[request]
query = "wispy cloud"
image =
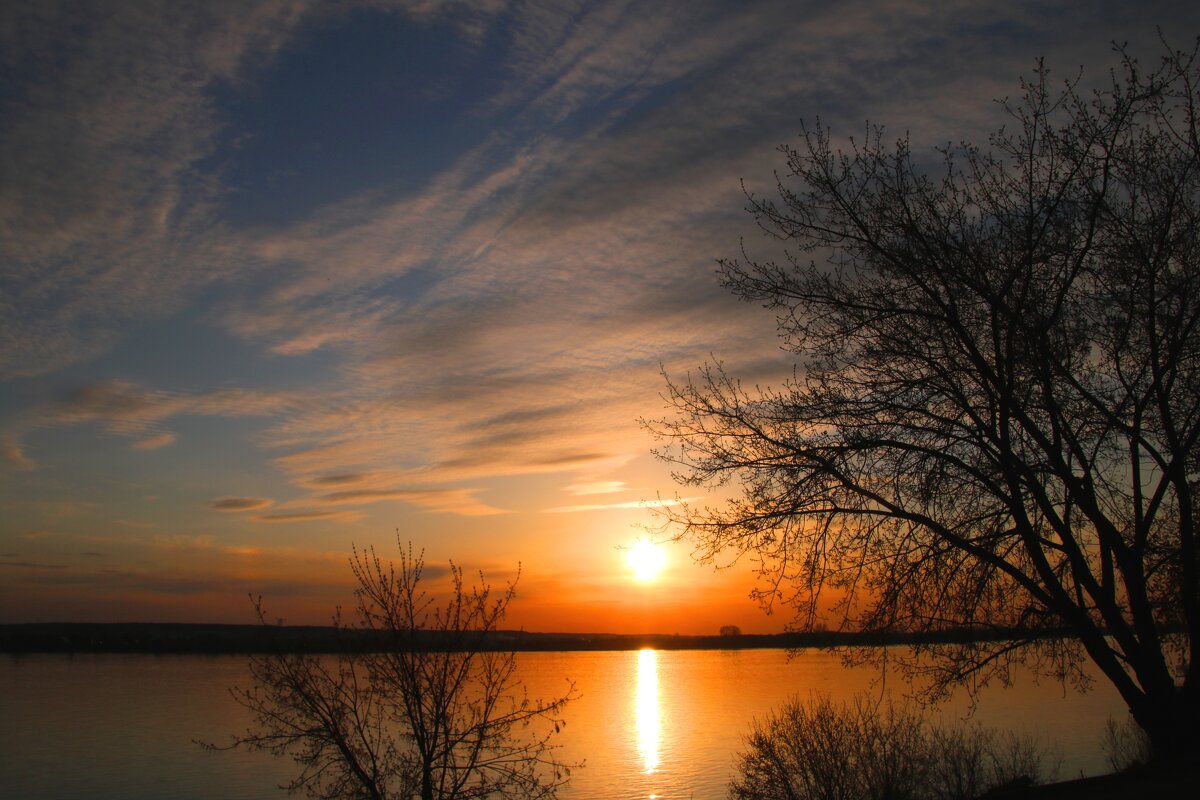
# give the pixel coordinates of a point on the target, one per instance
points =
(35, 565)
(133, 523)
(596, 487)
(238, 504)
(12, 455)
(453, 501)
(659, 503)
(307, 516)
(522, 330)
(181, 541)
(127, 409)
(155, 441)
(105, 221)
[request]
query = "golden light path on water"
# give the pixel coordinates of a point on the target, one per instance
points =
(649, 725)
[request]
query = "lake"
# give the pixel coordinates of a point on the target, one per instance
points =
(650, 724)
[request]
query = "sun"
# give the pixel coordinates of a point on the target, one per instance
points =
(646, 559)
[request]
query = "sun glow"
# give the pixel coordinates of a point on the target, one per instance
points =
(646, 559)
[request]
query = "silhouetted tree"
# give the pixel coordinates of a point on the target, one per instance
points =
(731, 630)
(437, 714)
(994, 417)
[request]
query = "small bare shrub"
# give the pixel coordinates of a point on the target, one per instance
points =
(963, 770)
(1015, 757)
(892, 743)
(819, 750)
(804, 750)
(1126, 745)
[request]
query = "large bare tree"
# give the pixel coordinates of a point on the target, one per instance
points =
(994, 416)
(433, 710)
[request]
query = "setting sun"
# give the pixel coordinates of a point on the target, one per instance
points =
(646, 559)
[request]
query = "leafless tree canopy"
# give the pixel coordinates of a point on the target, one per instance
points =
(439, 714)
(994, 417)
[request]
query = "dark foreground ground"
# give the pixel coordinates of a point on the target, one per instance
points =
(1181, 782)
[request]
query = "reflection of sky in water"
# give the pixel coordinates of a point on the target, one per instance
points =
(648, 722)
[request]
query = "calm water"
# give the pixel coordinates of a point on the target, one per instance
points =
(649, 724)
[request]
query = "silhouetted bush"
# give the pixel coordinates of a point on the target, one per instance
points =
(819, 750)
(1126, 745)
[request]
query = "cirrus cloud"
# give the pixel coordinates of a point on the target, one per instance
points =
(238, 504)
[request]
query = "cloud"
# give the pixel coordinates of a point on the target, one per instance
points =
(446, 501)
(126, 408)
(239, 503)
(660, 503)
(345, 479)
(521, 303)
(181, 541)
(596, 487)
(174, 581)
(524, 329)
(106, 221)
(307, 516)
(13, 455)
(155, 442)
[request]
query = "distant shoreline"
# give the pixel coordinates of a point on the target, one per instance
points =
(201, 638)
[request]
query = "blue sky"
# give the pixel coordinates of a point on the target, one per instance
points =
(281, 277)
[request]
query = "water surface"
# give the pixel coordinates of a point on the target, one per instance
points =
(649, 724)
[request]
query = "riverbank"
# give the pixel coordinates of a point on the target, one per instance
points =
(199, 639)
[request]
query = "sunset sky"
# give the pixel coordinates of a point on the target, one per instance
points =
(277, 278)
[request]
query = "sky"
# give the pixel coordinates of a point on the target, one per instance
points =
(285, 278)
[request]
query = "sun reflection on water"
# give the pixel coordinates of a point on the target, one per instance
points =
(649, 726)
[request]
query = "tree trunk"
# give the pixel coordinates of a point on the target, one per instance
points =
(1172, 722)
(426, 782)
